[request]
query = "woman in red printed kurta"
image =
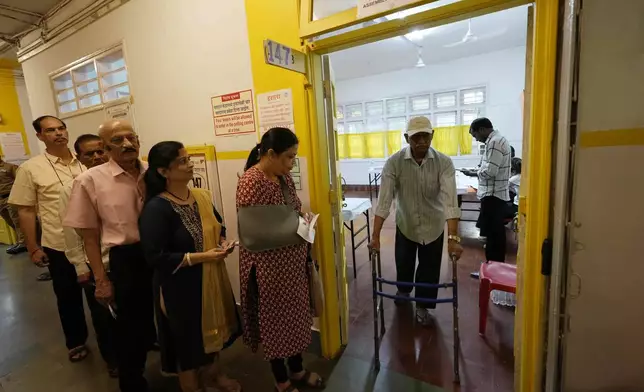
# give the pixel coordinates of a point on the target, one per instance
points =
(274, 286)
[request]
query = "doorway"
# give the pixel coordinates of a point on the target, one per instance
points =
(372, 147)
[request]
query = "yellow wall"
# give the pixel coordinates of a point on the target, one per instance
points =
(278, 21)
(11, 122)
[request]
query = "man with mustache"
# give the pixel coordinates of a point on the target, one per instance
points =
(104, 207)
(89, 150)
(37, 188)
(423, 182)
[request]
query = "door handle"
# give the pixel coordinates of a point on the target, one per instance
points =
(575, 290)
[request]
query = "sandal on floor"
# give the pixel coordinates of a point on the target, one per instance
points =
(305, 381)
(78, 354)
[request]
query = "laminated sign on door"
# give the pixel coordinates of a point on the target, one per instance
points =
(371, 7)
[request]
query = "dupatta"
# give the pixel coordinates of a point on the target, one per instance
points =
(219, 321)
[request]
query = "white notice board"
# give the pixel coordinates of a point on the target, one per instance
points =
(275, 109)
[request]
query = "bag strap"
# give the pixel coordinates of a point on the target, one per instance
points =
(286, 193)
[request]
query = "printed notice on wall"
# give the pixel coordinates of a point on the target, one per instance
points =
(13, 148)
(234, 114)
(275, 109)
(200, 177)
(119, 111)
(371, 7)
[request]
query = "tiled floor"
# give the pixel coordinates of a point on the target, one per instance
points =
(426, 353)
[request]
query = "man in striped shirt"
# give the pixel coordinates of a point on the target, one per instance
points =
(423, 183)
(493, 190)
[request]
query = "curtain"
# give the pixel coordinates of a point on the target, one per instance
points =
(368, 145)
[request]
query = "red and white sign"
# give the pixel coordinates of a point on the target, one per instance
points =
(234, 113)
(275, 109)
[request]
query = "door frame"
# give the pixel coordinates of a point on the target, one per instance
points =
(535, 198)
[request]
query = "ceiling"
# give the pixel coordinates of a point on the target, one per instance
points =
(19, 16)
(497, 31)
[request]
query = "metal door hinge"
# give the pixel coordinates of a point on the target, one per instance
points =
(327, 89)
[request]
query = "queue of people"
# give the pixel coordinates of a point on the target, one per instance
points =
(148, 253)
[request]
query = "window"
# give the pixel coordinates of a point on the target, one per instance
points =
(445, 119)
(445, 100)
(451, 108)
(420, 103)
(473, 96)
(90, 84)
(396, 106)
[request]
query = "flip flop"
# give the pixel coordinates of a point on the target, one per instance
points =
(305, 381)
(78, 354)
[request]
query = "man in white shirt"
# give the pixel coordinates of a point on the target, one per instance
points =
(493, 190)
(423, 183)
(90, 152)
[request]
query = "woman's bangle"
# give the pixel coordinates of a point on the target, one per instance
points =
(188, 259)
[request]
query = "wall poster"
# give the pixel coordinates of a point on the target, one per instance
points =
(200, 178)
(275, 109)
(234, 113)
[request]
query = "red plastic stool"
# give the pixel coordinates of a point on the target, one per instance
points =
(494, 276)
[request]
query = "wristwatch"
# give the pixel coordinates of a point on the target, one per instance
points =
(454, 238)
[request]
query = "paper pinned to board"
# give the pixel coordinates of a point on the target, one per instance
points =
(13, 147)
(306, 227)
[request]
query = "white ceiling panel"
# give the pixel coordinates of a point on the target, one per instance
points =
(489, 33)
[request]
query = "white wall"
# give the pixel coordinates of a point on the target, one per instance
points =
(502, 72)
(179, 54)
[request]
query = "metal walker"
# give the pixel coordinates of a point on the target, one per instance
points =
(378, 310)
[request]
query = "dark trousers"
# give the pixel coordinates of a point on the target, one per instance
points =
(69, 297)
(429, 265)
(280, 372)
(491, 221)
(132, 281)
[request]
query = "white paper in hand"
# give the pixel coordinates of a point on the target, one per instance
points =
(306, 227)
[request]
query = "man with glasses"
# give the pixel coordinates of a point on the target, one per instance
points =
(104, 206)
(36, 191)
(423, 183)
(89, 150)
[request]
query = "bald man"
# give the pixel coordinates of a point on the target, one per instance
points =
(105, 204)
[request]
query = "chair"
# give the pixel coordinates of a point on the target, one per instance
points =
(494, 276)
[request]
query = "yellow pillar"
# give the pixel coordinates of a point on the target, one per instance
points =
(535, 198)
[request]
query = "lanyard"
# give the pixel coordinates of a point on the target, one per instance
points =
(70, 170)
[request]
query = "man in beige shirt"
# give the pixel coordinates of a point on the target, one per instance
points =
(89, 150)
(37, 188)
(8, 213)
(104, 206)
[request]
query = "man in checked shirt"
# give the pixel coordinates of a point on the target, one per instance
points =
(493, 190)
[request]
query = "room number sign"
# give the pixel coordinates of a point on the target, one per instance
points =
(284, 57)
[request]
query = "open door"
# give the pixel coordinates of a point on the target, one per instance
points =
(335, 196)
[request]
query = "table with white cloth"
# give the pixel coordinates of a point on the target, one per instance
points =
(466, 185)
(352, 208)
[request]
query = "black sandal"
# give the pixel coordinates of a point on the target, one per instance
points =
(305, 381)
(78, 354)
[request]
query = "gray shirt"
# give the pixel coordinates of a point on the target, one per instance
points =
(425, 194)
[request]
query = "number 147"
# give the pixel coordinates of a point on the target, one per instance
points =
(274, 52)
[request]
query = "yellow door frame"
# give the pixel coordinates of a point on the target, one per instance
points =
(535, 194)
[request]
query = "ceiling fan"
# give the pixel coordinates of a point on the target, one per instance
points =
(471, 37)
